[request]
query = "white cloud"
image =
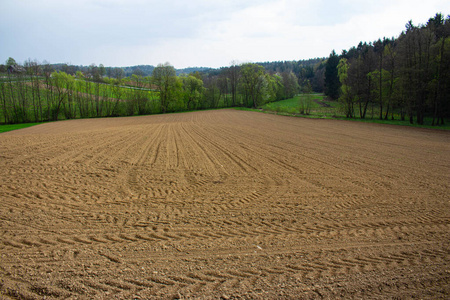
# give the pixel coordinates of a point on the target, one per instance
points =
(198, 32)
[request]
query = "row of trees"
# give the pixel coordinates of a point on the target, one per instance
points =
(404, 77)
(35, 92)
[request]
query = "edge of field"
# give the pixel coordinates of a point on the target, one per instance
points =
(11, 127)
(445, 127)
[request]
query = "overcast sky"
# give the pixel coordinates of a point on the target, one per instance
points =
(208, 33)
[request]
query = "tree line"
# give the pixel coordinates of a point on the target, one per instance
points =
(36, 92)
(406, 77)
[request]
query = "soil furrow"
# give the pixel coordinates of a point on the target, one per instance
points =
(224, 203)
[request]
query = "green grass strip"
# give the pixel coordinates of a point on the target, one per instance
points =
(5, 128)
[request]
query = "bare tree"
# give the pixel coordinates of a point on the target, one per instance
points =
(233, 75)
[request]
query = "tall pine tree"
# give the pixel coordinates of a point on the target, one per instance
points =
(332, 84)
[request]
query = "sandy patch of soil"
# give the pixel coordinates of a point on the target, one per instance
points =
(224, 204)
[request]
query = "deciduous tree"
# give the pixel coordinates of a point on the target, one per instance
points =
(254, 83)
(165, 79)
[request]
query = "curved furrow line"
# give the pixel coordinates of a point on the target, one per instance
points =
(84, 240)
(268, 152)
(107, 154)
(114, 284)
(161, 280)
(22, 289)
(272, 148)
(214, 167)
(434, 286)
(93, 148)
(189, 150)
(262, 193)
(210, 142)
(251, 199)
(183, 279)
(42, 148)
(224, 203)
(99, 287)
(148, 156)
(253, 148)
(147, 151)
(156, 154)
(173, 159)
(76, 289)
(195, 282)
(237, 230)
(350, 203)
(141, 283)
(184, 151)
(350, 265)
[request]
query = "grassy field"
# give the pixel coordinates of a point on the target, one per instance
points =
(321, 107)
(312, 105)
(5, 128)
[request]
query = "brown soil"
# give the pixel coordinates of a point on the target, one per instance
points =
(227, 204)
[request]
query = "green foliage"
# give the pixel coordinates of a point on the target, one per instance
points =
(192, 91)
(306, 100)
(332, 84)
(6, 128)
(346, 98)
(276, 87)
(398, 79)
(254, 84)
(407, 77)
(290, 83)
(60, 95)
(10, 62)
(164, 77)
(313, 105)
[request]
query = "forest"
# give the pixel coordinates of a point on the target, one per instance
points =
(405, 78)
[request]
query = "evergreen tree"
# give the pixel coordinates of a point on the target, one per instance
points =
(332, 84)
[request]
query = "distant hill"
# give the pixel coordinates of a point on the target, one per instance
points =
(148, 69)
(291, 65)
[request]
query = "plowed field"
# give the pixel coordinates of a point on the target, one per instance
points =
(224, 204)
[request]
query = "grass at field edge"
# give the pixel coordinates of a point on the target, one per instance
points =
(11, 127)
(446, 126)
